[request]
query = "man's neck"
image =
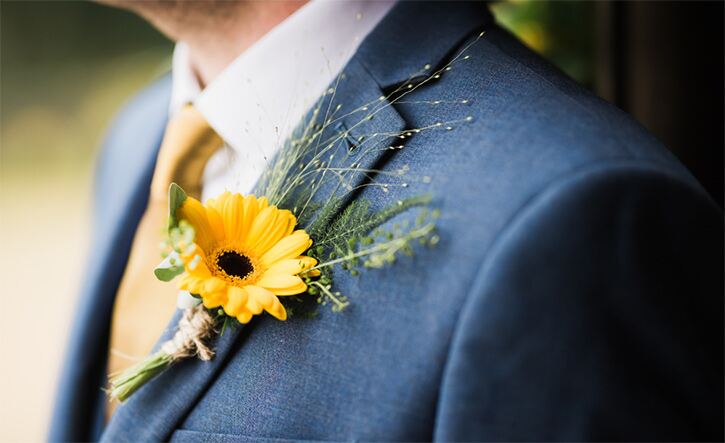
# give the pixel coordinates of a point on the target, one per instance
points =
(216, 32)
(212, 50)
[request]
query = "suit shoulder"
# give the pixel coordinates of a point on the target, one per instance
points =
(530, 128)
(523, 108)
(525, 125)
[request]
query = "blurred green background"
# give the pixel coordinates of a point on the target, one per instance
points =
(65, 68)
(562, 31)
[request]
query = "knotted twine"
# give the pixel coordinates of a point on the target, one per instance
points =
(195, 328)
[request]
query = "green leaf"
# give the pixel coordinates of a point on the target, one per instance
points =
(168, 274)
(177, 196)
(169, 268)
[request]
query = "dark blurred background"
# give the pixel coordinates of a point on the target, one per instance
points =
(65, 67)
(660, 61)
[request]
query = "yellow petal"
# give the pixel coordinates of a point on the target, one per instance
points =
(236, 301)
(254, 306)
(261, 296)
(233, 216)
(213, 284)
(200, 269)
(191, 283)
(289, 247)
(312, 273)
(269, 302)
(189, 256)
(291, 223)
(214, 299)
(195, 213)
(277, 311)
(194, 281)
(244, 316)
(261, 223)
(296, 289)
(249, 211)
(292, 266)
(218, 202)
(262, 203)
(282, 284)
(278, 228)
(216, 224)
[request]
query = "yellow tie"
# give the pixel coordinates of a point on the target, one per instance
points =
(143, 304)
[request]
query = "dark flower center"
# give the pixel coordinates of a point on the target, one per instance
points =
(234, 264)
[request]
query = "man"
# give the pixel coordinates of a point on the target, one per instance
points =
(576, 293)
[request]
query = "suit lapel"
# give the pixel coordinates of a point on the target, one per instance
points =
(153, 412)
(156, 410)
(357, 122)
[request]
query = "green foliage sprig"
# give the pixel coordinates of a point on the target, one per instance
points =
(346, 230)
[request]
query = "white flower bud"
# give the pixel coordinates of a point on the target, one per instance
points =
(186, 301)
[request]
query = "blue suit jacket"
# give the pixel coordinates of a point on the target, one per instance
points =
(576, 292)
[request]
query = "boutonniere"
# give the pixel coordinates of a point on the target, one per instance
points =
(236, 257)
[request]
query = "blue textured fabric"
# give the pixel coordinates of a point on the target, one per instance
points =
(576, 292)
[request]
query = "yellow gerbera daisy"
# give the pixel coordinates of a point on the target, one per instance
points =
(247, 253)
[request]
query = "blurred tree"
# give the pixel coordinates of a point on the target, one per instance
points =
(559, 30)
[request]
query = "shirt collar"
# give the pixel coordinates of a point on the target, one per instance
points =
(256, 101)
(184, 84)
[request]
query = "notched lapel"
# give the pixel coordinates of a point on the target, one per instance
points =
(362, 136)
(154, 411)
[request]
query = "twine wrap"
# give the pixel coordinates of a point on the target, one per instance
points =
(195, 328)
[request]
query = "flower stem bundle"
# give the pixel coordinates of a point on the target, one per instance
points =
(196, 327)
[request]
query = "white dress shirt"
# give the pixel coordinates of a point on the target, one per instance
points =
(256, 102)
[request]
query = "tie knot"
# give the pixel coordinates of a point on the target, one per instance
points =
(188, 143)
